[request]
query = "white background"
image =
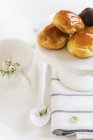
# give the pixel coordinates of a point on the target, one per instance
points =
(32, 13)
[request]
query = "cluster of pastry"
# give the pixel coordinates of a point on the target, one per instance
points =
(71, 30)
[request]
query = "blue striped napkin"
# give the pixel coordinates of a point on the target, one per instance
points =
(72, 111)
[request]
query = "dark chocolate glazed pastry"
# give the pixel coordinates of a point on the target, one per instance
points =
(87, 16)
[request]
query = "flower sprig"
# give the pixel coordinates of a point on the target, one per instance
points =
(43, 112)
(74, 119)
(8, 67)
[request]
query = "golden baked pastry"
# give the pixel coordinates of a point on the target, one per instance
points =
(52, 38)
(68, 22)
(81, 43)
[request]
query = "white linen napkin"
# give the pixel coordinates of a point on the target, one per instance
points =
(84, 136)
(67, 104)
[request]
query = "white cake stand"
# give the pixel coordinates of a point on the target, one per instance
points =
(75, 73)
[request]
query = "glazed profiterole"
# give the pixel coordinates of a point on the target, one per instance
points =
(52, 38)
(68, 22)
(87, 17)
(68, 28)
(81, 43)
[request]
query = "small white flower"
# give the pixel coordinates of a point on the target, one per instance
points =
(4, 66)
(11, 67)
(7, 67)
(74, 119)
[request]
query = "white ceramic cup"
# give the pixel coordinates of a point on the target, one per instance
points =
(19, 51)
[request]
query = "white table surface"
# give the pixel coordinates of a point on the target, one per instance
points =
(15, 107)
